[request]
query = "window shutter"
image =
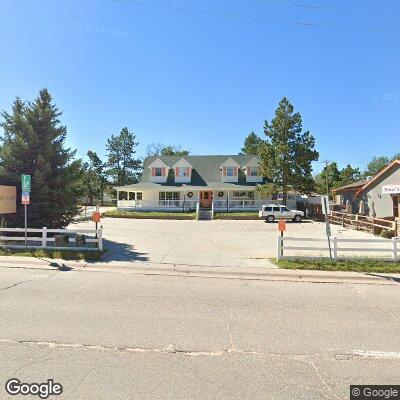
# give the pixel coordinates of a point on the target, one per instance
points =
(153, 172)
(248, 172)
(224, 171)
(188, 171)
(235, 171)
(177, 171)
(163, 171)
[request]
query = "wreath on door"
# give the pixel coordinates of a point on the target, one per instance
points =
(220, 194)
(190, 194)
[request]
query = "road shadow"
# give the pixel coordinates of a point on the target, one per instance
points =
(387, 277)
(115, 251)
(60, 267)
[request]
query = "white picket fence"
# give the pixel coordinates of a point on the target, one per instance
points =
(338, 246)
(43, 240)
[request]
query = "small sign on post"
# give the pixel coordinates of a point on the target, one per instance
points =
(281, 228)
(282, 225)
(25, 198)
(96, 219)
(26, 183)
(96, 216)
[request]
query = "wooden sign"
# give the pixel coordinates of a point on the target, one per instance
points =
(282, 225)
(96, 216)
(8, 199)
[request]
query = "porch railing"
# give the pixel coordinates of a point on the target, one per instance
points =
(231, 205)
(186, 205)
(182, 205)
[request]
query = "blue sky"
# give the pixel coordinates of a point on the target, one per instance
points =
(203, 74)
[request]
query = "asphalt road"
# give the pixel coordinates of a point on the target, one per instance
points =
(106, 335)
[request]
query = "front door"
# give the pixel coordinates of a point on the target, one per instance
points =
(206, 198)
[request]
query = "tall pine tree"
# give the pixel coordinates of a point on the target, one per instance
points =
(288, 153)
(252, 144)
(123, 167)
(33, 143)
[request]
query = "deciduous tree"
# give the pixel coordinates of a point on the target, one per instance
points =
(159, 149)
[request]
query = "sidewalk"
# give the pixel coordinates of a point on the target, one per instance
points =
(268, 273)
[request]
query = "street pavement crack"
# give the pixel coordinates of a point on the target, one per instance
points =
(232, 350)
(27, 281)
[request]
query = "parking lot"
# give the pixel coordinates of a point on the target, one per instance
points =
(208, 243)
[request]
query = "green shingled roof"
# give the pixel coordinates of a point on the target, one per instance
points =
(206, 172)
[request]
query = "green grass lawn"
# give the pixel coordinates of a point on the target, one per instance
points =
(236, 215)
(358, 265)
(150, 214)
(62, 254)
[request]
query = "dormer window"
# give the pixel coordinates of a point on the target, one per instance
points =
(230, 171)
(158, 171)
(253, 171)
(182, 172)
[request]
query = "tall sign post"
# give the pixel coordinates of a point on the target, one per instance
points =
(281, 228)
(325, 210)
(25, 200)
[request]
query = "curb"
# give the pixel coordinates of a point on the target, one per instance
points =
(245, 273)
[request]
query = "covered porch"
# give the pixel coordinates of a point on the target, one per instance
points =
(187, 198)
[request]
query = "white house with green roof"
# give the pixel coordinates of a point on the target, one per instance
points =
(224, 183)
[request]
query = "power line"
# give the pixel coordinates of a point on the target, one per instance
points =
(299, 5)
(216, 14)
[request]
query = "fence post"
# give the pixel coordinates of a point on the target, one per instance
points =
(100, 238)
(334, 247)
(395, 257)
(279, 248)
(44, 237)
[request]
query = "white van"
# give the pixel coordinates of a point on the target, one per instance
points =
(271, 212)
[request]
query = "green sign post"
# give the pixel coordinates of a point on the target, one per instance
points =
(26, 189)
(26, 183)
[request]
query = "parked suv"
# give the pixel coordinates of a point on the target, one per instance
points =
(271, 212)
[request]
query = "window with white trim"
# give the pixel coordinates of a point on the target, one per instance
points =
(230, 171)
(167, 197)
(183, 172)
(243, 195)
(254, 171)
(158, 171)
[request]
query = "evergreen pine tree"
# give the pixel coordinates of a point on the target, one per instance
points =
(288, 153)
(33, 143)
(252, 144)
(124, 168)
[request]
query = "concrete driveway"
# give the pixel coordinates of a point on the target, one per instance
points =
(206, 243)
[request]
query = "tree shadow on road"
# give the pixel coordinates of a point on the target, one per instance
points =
(115, 251)
(388, 277)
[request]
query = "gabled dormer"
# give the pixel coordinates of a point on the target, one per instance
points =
(229, 170)
(183, 171)
(158, 171)
(252, 171)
